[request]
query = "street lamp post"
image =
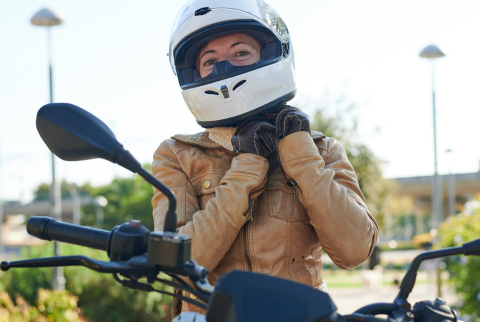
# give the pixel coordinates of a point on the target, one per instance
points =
(99, 203)
(75, 204)
(2, 247)
(49, 18)
(432, 52)
(451, 185)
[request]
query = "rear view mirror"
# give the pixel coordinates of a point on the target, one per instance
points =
(74, 134)
(472, 248)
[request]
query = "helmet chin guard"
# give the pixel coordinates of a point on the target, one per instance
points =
(231, 94)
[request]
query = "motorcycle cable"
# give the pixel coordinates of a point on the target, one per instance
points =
(148, 288)
(184, 286)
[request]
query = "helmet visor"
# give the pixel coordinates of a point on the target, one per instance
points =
(271, 51)
(194, 25)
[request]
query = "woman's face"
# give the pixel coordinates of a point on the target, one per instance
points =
(238, 49)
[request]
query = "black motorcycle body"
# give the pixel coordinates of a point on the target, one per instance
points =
(74, 134)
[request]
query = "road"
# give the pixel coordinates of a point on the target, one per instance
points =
(388, 256)
(348, 300)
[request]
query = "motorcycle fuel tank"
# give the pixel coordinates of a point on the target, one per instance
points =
(251, 297)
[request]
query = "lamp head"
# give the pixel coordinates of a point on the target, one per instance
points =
(432, 52)
(47, 17)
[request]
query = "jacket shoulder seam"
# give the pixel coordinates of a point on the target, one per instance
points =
(196, 140)
(178, 148)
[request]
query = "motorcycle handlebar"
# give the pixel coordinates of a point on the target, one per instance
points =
(47, 228)
(378, 308)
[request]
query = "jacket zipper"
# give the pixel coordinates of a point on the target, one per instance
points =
(250, 204)
(293, 183)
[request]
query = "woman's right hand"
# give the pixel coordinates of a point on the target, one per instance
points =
(254, 136)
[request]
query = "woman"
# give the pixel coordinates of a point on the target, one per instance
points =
(257, 190)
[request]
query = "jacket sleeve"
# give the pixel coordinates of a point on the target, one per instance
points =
(330, 193)
(214, 228)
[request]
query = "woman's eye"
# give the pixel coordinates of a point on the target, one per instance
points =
(242, 53)
(209, 62)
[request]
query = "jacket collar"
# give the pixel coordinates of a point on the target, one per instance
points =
(202, 140)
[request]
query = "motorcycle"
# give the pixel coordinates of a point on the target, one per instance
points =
(74, 134)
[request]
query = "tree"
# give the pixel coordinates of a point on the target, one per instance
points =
(464, 271)
(343, 126)
(100, 297)
(128, 198)
(43, 191)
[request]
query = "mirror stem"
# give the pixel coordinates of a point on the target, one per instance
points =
(408, 281)
(170, 223)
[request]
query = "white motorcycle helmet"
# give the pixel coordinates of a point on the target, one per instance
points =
(231, 94)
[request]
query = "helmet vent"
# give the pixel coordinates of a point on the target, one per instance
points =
(211, 93)
(225, 93)
(202, 11)
(240, 83)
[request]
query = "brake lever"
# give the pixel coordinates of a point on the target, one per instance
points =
(137, 266)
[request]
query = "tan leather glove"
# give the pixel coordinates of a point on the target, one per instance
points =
(254, 136)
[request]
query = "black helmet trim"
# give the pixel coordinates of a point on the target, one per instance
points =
(235, 121)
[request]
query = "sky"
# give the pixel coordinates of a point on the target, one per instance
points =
(110, 59)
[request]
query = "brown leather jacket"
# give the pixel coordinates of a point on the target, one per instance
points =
(239, 217)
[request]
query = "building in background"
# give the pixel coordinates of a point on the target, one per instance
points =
(412, 204)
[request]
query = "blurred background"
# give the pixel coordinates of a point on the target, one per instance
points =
(359, 76)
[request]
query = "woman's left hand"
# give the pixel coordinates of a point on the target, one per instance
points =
(291, 120)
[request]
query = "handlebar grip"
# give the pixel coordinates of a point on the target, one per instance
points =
(47, 228)
(377, 308)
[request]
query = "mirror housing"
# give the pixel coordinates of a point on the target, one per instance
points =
(73, 134)
(472, 248)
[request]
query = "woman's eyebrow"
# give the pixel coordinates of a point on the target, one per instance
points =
(207, 52)
(242, 42)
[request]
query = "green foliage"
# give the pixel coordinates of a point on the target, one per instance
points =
(52, 306)
(464, 271)
(343, 126)
(127, 199)
(27, 282)
(58, 306)
(43, 191)
(99, 296)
